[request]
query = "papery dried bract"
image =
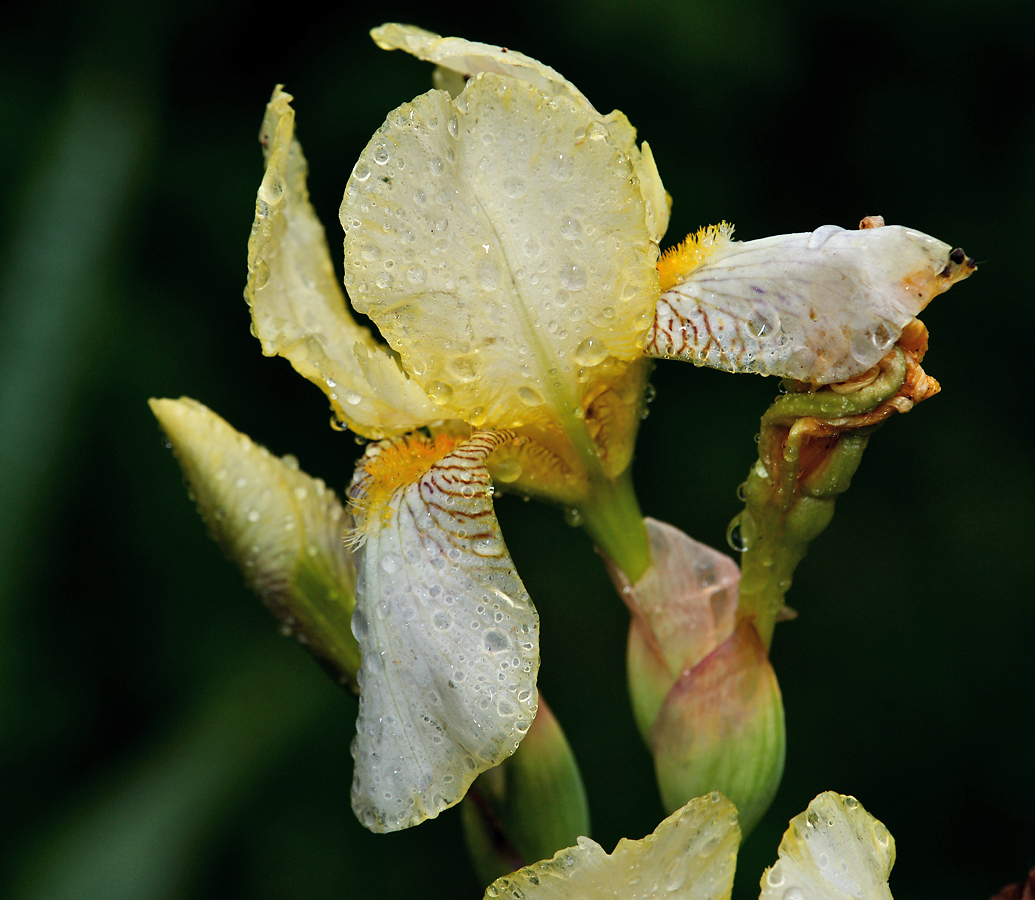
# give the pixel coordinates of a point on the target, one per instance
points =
(835, 850)
(690, 856)
(819, 307)
(498, 242)
(448, 635)
(298, 308)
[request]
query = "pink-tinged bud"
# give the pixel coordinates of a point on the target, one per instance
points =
(721, 727)
(704, 694)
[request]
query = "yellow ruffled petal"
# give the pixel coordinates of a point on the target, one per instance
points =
(298, 308)
(469, 58)
(835, 850)
(447, 633)
(499, 243)
(820, 307)
(690, 856)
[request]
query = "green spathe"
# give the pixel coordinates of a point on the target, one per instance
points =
(283, 528)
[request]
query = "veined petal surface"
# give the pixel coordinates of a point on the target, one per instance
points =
(690, 856)
(835, 850)
(498, 242)
(298, 307)
(448, 635)
(819, 307)
(469, 58)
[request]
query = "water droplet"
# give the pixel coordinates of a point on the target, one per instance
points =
(507, 469)
(453, 126)
(496, 641)
(775, 876)
(439, 391)
(573, 517)
(742, 492)
(851, 803)
(513, 186)
(821, 235)
(735, 535)
(463, 368)
(488, 275)
(573, 276)
(390, 562)
(353, 398)
(591, 352)
(764, 323)
(571, 228)
(383, 281)
(529, 396)
(381, 154)
(416, 275)
(253, 516)
(262, 275)
(435, 165)
(561, 166)
(793, 894)
(361, 172)
(370, 252)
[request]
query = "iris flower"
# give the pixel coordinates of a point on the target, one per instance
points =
(503, 236)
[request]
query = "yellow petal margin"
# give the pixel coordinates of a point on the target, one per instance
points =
(835, 850)
(498, 242)
(298, 308)
(448, 636)
(470, 58)
(690, 856)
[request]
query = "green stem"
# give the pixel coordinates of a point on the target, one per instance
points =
(612, 518)
(785, 510)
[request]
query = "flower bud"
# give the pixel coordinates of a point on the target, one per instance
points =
(528, 807)
(283, 528)
(704, 694)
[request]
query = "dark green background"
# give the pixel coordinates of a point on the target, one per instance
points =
(158, 739)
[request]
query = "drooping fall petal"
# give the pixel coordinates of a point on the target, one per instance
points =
(284, 529)
(690, 856)
(448, 634)
(498, 241)
(298, 308)
(835, 850)
(819, 307)
(469, 58)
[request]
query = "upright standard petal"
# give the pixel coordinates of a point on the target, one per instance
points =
(835, 850)
(470, 58)
(820, 307)
(448, 635)
(690, 856)
(499, 243)
(299, 310)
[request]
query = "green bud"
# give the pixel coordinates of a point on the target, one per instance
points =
(704, 694)
(722, 728)
(528, 807)
(283, 528)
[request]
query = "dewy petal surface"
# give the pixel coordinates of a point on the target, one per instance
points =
(819, 307)
(498, 241)
(285, 529)
(298, 307)
(835, 850)
(690, 856)
(448, 635)
(470, 58)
